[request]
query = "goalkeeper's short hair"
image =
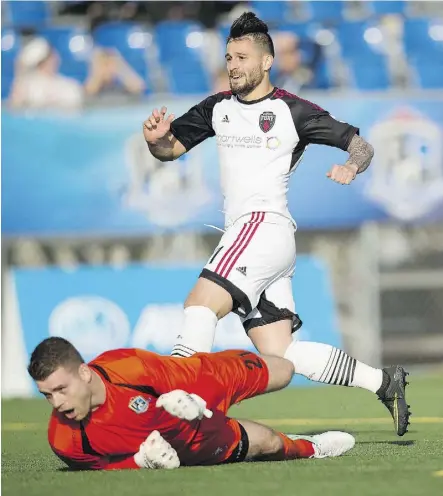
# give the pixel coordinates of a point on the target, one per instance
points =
(51, 354)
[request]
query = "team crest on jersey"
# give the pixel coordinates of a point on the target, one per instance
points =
(266, 121)
(407, 176)
(138, 404)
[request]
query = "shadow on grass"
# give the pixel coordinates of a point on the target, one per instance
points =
(396, 443)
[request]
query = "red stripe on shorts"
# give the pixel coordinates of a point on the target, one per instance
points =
(238, 241)
(246, 243)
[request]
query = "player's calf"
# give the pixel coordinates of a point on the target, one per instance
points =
(266, 444)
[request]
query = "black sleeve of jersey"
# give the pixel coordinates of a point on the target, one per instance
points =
(315, 125)
(325, 130)
(195, 125)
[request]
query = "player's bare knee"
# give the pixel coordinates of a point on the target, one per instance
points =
(208, 294)
(281, 372)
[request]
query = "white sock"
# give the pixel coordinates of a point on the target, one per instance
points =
(324, 363)
(198, 332)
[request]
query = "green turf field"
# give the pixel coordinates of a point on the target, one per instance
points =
(380, 464)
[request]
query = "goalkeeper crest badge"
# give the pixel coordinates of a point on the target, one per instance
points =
(139, 404)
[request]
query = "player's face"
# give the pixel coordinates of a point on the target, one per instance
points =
(245, 65)
(69, 391)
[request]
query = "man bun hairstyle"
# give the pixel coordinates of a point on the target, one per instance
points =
(248, 24)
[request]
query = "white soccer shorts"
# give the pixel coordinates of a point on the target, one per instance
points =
(254, 261)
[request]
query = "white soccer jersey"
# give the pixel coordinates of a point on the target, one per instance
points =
(260, 144)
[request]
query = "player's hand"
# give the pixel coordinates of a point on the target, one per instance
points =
(343, 174)
(157, 125)
(183, 405)
(156, 452)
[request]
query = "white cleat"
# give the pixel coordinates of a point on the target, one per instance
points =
(331, 443)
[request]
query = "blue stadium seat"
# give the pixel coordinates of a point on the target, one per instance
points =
(132, 42)
(354, 40)
(188, 77)
(370, 73)
(322, 77)
(388, 7)
(73, 46)
(301, 29)
(27, 14)
(365, 59)
(423, 37)
(423, 43)
(11, 45)
(125, 36)
(324, 11)
(271, 11)
(223, 31)
(429, 73)
(180, 45)
(175, 39)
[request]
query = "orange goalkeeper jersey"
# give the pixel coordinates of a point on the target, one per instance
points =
(134, 379)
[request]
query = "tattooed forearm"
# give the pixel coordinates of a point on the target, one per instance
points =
(360, 153)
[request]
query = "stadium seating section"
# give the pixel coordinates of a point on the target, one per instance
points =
(350, 35)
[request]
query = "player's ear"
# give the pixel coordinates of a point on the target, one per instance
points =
(85, 373)
(267, 62)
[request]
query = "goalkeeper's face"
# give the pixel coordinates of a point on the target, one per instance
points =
(69, 391)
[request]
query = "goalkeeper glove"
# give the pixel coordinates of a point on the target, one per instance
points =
(156, 452)
(183, 405)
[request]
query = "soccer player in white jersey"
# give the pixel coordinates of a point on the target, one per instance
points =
(262, 132)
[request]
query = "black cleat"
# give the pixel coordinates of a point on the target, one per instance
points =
(392, 395)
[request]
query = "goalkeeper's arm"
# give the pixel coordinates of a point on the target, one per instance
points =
(154, 453)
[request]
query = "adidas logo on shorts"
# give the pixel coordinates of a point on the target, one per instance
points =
(242, 270)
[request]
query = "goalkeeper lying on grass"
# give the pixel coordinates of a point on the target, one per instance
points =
(131, 408)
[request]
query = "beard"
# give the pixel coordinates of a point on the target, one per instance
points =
(247, 83)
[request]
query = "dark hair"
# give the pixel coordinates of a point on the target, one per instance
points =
(51, 354)
(248, 24)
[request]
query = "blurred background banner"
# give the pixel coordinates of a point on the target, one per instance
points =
(99, 236)
(93, 174)
(101, 308)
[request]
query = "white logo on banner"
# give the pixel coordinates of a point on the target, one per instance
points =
(167, 194)
(91, 323)
(94, 325)
(407, 175)
(159, 325)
